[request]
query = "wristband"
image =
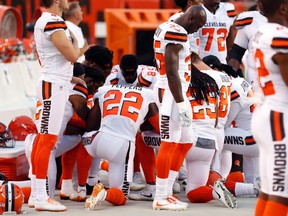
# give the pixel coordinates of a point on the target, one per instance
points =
(182, 107)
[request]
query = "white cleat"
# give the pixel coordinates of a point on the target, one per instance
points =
(65, 195)
(138, 182)
(31, 202)
(221, 193)
(98, 195)
(49, 205)
(167, 204)
(145, 195)
(78, 196)
(177, 200)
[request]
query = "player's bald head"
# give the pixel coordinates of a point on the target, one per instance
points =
(196, 18)
(196, 11)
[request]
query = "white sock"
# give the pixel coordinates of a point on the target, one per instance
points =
(67, 185)
(244, 189)
(161, 188)
(41, 190)
(81, 188)
(150, 187)
(171, 179)
(33, 186)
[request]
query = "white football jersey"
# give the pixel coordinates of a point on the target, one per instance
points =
(146, 76)
(193, 38)
(268, 41)
(54, 66)
(214, 33)
(224, 84)
(123, 109)
(241, 93)
(247, 24)
(175, 16)
(203, 117)
(172, 33)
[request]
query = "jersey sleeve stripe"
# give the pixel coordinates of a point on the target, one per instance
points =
(143, 81)
(176, 36)
(55, 25)
(278, 42)
(231, 13)
(243, 22)
(81, 89)
(114, 81)
(249, 140)
(277, 126)
(234, 95)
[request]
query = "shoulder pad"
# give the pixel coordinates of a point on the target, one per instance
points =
(230, 8)
(243, 19)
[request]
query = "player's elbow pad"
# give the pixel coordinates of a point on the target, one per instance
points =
(236, 52)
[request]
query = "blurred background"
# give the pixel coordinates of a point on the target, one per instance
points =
(125, 26)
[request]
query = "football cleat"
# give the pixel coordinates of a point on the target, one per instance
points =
(221, 193)
(138, 182)
(49, 205)
(98, 195)
(145, 195)
(167, 204)
(78, 196)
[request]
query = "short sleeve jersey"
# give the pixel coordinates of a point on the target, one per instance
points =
(123, 109)
(148, 76)
(172, 33)
(269, 40)
(55, 68)
(224, 84)
(203, 116)
(193, 38)
(247, 24)
(214, 33)
(241, 93)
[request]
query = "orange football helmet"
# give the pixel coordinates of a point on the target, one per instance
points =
(6, 137)
(11, 198)
(213, 176)
(21, 126)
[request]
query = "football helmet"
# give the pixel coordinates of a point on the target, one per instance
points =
(21, 126)
(6, 137)
(213, 176)
(11, 198)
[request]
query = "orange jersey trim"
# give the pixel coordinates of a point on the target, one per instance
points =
(143, 81)
(231, 13)
(81, 89)
(243, 22)
(114, 81)
(55, 25)
(278, 42)
(176, 36)
(249, 140)
(234, 95)
(157, 44)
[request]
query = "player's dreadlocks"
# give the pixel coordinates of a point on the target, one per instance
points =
(100, 55)
(202, 85)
